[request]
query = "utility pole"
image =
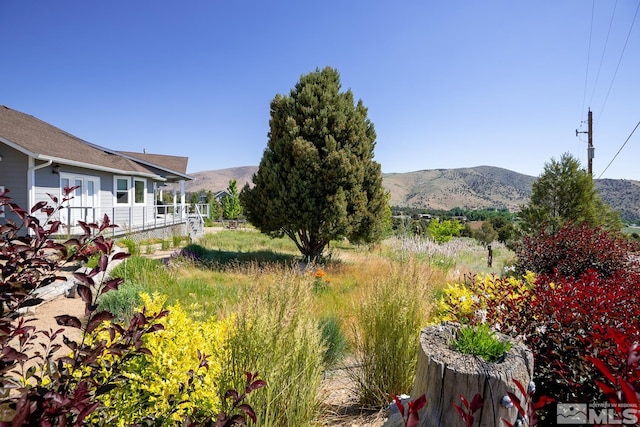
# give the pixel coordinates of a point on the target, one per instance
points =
(590, 149)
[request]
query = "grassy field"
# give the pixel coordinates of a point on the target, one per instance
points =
(221, 265)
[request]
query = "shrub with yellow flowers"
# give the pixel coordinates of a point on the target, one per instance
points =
(172, 381)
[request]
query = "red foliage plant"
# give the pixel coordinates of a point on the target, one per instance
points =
(411, 419)
(573, 250)
(584, 306)
(622, 389)
(468, 409)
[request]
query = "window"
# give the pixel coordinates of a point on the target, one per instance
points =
(139, 190)
(122, 191)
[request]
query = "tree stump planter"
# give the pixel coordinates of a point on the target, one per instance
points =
(444, 374)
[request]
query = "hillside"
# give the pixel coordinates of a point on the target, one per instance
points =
(216, 180)
(467, 188)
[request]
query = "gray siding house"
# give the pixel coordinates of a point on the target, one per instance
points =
(37, 159)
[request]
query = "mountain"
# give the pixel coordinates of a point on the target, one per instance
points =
(217, 180)
(468, 188)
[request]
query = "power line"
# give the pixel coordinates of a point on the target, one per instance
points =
(604, 50)
(619, 61)
(625, 143)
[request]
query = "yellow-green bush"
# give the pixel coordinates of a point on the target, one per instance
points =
(467, 303)
(158, 383)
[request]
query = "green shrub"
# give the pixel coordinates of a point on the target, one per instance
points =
(333, 339)
(132, 247)
(480, 341)
(122, 302)
(144, 271)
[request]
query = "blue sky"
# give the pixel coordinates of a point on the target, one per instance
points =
(448, 84)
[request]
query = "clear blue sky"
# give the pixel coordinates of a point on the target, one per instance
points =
(448, 84)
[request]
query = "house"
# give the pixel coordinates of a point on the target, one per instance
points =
(221, 195)
(37, 159)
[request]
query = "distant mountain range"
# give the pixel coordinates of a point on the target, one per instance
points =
(467, 188)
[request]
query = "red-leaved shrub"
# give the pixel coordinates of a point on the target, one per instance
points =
(573, 250)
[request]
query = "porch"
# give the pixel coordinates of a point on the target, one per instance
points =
(161, 221)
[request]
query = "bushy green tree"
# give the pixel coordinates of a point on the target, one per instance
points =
(231, 208)
(565, 192)
(443, 231)
(317, 179)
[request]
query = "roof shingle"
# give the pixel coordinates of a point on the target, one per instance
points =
(44, 141)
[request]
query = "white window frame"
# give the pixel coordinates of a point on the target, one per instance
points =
(117, 178)
(144, 191)
(1, 207)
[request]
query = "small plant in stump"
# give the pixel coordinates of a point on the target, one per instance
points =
(480, 341)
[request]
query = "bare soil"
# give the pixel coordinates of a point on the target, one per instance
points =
(340, 404)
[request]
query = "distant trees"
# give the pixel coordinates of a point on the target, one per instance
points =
(317, 179)
(565, 192)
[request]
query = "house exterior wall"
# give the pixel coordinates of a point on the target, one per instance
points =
(13, 174)
(92, 209)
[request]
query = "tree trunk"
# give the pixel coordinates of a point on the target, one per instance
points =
(444, 374)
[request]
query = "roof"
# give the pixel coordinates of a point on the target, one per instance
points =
(176, 164)
(44, 141)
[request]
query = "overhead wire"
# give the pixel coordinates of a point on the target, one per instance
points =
(611, 85)
(586, 76)
(625, 143)
(604, 50)
(618, 65)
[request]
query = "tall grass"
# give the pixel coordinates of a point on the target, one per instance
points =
(277, 335)
(386, 331)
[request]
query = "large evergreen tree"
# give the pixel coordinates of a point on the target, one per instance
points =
(565, 192)
(317, 179)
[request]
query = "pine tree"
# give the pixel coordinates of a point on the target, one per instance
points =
(317, 179)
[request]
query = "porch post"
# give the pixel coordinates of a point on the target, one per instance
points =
(183, 207)
(175, 200)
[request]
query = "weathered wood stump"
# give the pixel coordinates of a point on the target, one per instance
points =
(444, 374)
